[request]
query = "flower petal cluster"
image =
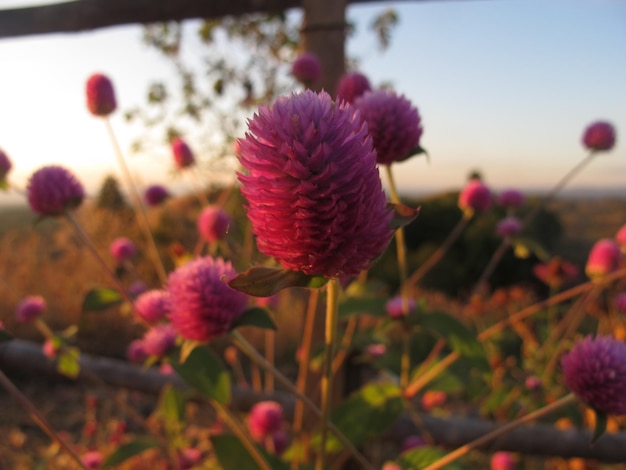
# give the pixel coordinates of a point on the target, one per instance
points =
(100, 95)
(306, 68)
(30, 308)
(153, 305)
(92, 460)
(509, 227)
(604, 258)
(352, 85)
(476, 197)
(595, 370)
(136, 352)
(511, 199)
(5, 165)
(156, 194)
(159, 340)
(599, 136)
(265, 419)
(213, 223)
(122, 249)
(503, 461)
(203, 305)
(314, 196)
(393, 122)
(394, 307)
(556, 272)
(52, 189)
(183, 156)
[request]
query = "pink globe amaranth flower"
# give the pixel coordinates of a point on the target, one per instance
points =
(183, 156)
(52, 190)
(166, 369)
(137, 288)
(203, 305)
(533, 383)
(100, 95)
(189, 457)
(352, 85)
(306, 68)
(30, 308)
(475, 197)
(599, 136)
(412, 442)
(511, 199)
(213, 223)
(156, 194)
(314, 196)
(5, 165)
(509, 227)
(620, 237)
(159, 340)
(153, 305)
(49, 349)
(122, 249)
(92, 459)
(502, 461)
(604, 258)
(620, 302)
(136, 352)
(595, 370)
(393, 122)
(265, 419)
(394, 307)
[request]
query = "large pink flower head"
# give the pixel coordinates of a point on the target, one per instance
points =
(213, 223)
(599, 136)
(30, 308)
(203, 305)
(306, 68)
(5, 165)
(352, 85)
(475, 197)
(265, 419)
(503, 461)
(52, 190)
(153, 305)
(393, 123)
(314, 196)
(183, 156)
(122, 249)
(100, 95)
(604, 258)
(156, 194)
(595, 370)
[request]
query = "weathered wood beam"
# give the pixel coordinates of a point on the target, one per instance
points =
(539, 439)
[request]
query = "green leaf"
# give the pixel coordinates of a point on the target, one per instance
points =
(100, 299)
(460, 338)
(232, 454)
(5, 336)
(601, 421)
(255, 316)
(364, 415)
(422, 457)
(172, 405)
(403, 215)
(203, 371)
(68, 363)
(373, 306)
(128, 450)
(264, 282)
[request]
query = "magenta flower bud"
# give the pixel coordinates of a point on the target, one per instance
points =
(213, 223)
(394, 307)
(393, 122)
(433, 398)
(189, 457)
(183, 156)
(153, 305)
(599, 136)
(49, 349)
(595, 370)
(137, 288)
(92, 460)
(307, 69)
(475, 197)
(620, 302)
(265, 419)
(52, 190)
(5, 165)
(533, 383)
(509, 227)
(156, 194)
(503, 461)
(268, 302)
(203, 305)
(511, 199)
(391, 466)
(159, 340)
(604, 258)
(376, 350)
(352, 85)
(280, 442)
(620, 238)
(122, 249)
(30, 308)
(412, 442)
(315, 200)
(136, 352)
(100, 95)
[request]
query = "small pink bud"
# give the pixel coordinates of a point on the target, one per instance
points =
(509, 227)
(511, 198)
(604, 258)
(100, 95)
(533, 383)
(307, 69)
(266, 418)
(136, 352)
(155, 195)
(352, 85)
(49, 349)
(391, 466)
(433, 398)
(122, 249)
(183, 156)
(213, 223)
(475, 197)
(395, 307)
(188, 458)
(376, 350)
(30, 308)
(92, 460)
(599, 136)
(137, 288)
(268, 302)
(502, 461)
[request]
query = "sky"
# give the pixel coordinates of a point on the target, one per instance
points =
(505, 87)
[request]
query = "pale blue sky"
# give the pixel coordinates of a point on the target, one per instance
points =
(504, 86)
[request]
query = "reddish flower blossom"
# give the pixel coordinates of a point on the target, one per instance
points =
(533, 383)
(314, 196)
(52, 190)
(49, 349)
(188, 458)
(265, 419)
(509, 227)
(599, 136)
(100, 95)
(153, 305)
(511, 199)
(5, 165)
(159, 340)
(213, 223)
(122, 249)
(156, 194)
(92, 459)
(393, 123)
(556, 272)
(475, 197)
(352, 85)
(595, 370)
(183, 156)
(503, 461)
(136, 352)
(203, 305)
(30, 308)
(391, 466)
(433, 398)
(307, 69)
(394, 307)
(604, 258)
(376, 350)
